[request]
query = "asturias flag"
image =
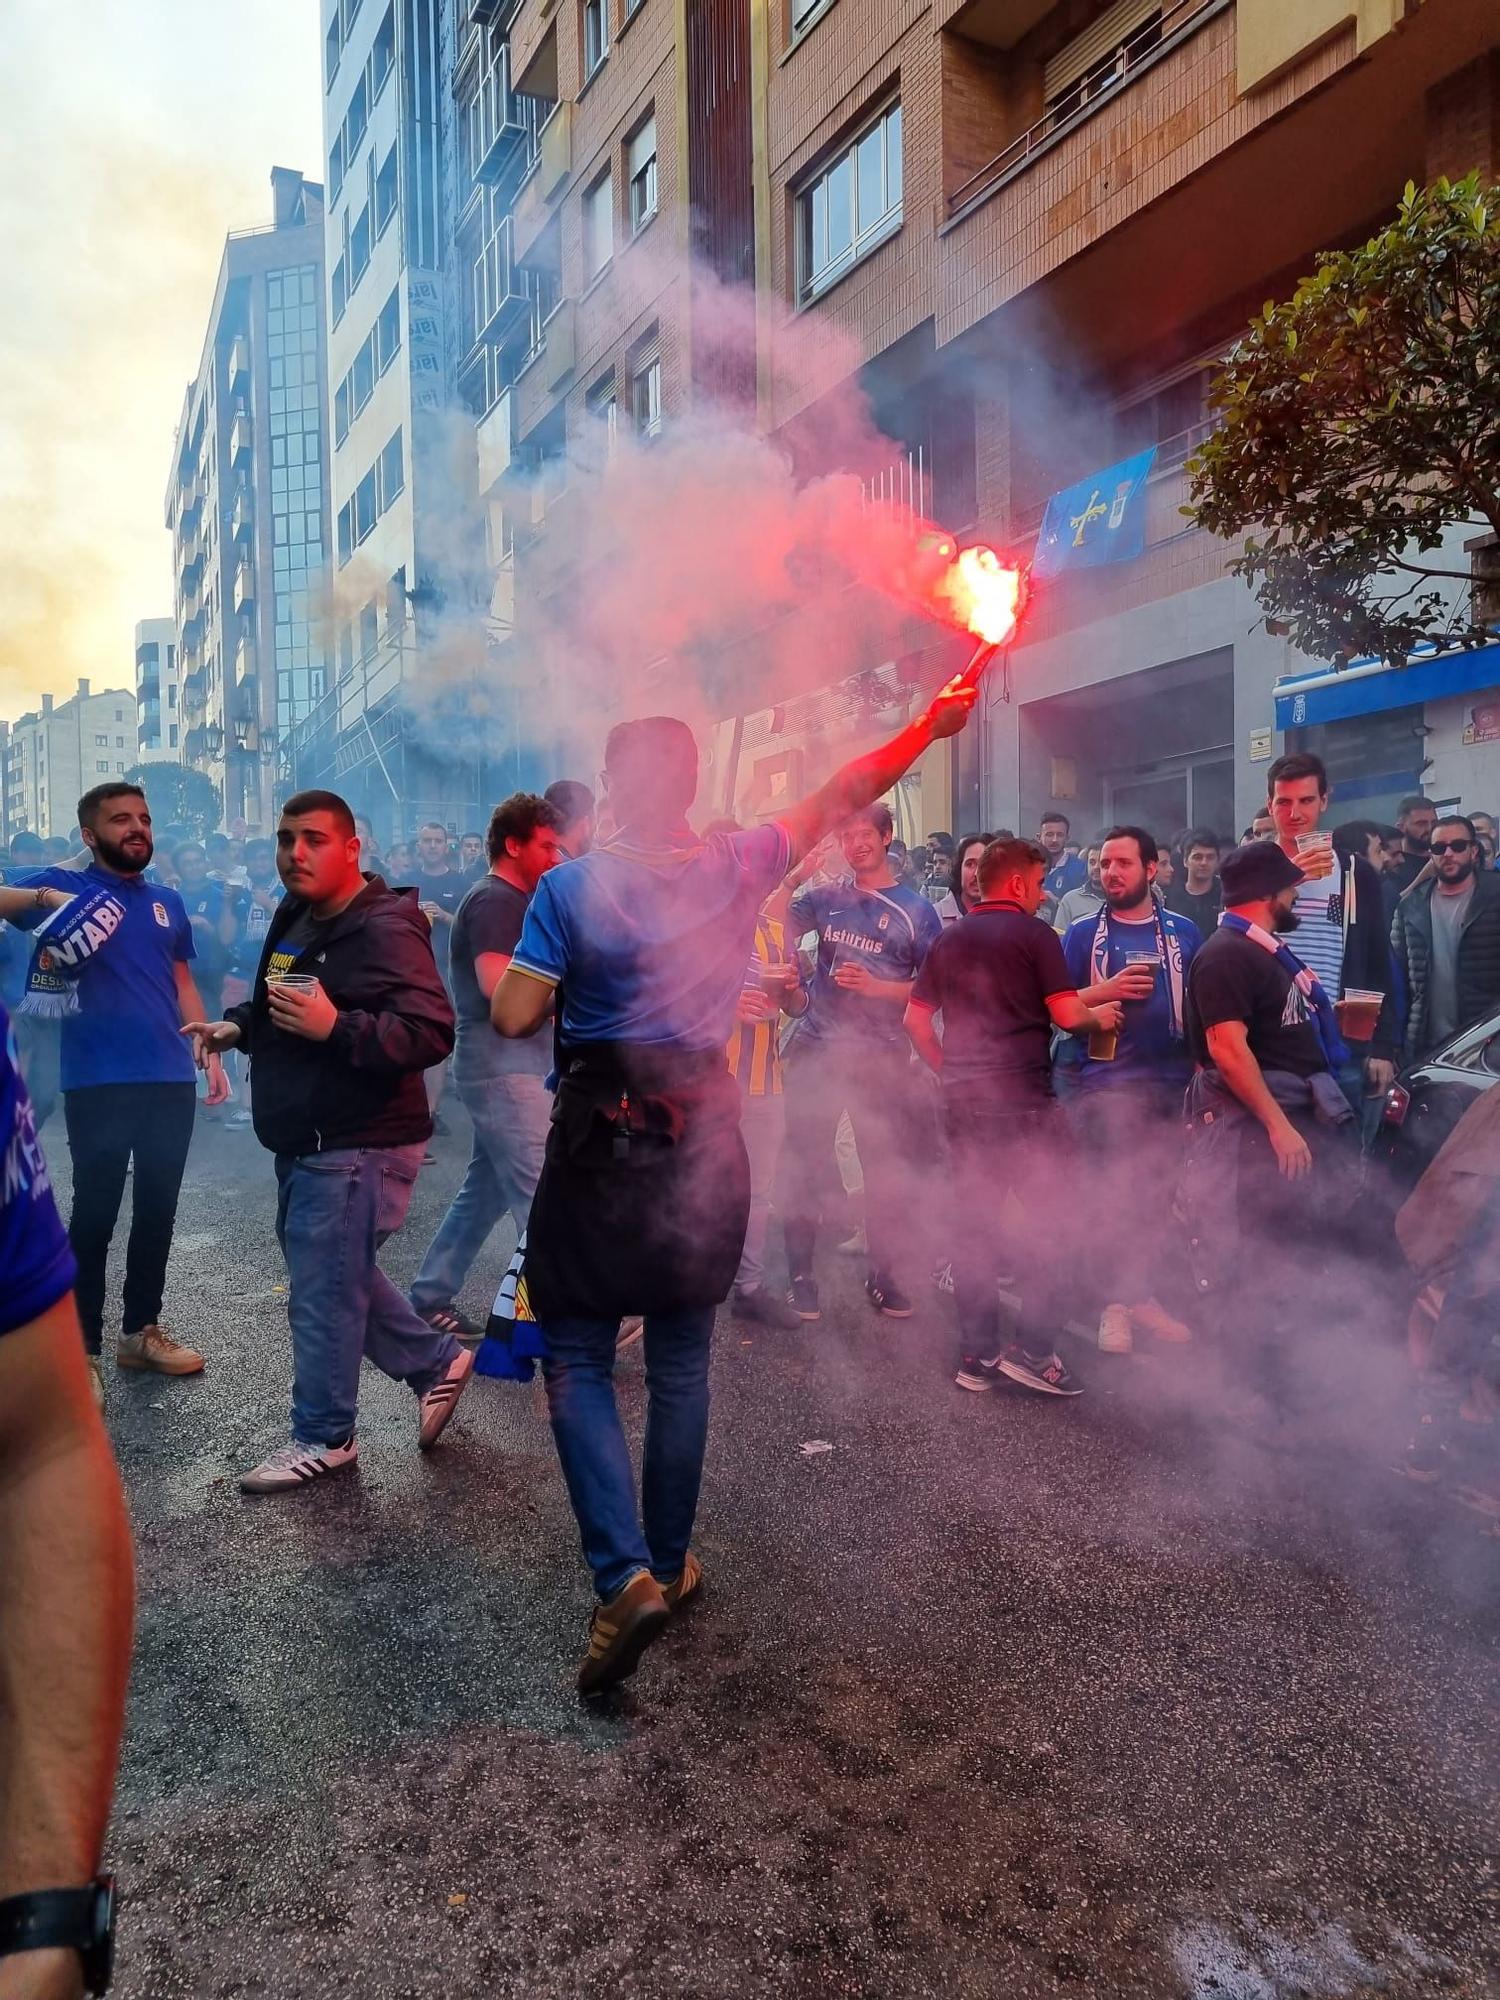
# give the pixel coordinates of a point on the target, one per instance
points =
(1100, 520)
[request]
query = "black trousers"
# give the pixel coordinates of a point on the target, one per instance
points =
(109, 1125)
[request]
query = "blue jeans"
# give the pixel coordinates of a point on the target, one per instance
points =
(333, 1212)
(510, 1116)
(579, 1372)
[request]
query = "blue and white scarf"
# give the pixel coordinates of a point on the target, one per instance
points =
(64, 944)
(513, 1342)
(1335, 1051)
(1168, 953)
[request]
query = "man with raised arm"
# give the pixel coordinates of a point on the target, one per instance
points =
(645, 1193)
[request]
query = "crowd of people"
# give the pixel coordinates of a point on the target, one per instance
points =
(689, 1061)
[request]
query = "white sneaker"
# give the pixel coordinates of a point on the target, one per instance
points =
(1115, 1335)
(441, 1400)
(298, 1465)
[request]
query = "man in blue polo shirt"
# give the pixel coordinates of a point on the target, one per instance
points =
(851, 1054)
(127, 1074)
(645, 1193)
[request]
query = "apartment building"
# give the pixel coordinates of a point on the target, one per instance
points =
(248, 506)
(1035, 225)
(56, 753)
(406, 562)
(157, 692)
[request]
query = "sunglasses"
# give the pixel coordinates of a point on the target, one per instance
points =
(1450, 846)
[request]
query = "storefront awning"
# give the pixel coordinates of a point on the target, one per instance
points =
(1367, 686)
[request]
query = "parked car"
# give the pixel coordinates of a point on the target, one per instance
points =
(1427, 1100)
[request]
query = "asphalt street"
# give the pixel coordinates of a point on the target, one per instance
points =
(995, 1697)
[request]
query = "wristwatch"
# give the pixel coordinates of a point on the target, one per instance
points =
(50, 1919)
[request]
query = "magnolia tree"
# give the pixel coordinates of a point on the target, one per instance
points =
(1359, 424)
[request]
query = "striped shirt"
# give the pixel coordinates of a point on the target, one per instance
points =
(1319, 937)
(753, 1053)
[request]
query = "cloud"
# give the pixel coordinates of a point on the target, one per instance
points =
(122, 164)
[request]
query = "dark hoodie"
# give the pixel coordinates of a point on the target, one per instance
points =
(363, 1086)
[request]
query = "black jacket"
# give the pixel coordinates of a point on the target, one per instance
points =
(363, 1086)
(1478, 957)
(1367, 960)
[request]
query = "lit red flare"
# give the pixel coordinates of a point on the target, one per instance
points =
(983, 594)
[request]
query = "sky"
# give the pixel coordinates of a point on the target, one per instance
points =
(134, 137)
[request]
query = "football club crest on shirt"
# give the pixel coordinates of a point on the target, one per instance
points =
(159, 911)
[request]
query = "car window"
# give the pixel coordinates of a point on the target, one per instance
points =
(1489, 1055)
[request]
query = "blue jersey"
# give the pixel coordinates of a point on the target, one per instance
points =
(889, 930)
(1147, 1050)
(128, 1029)
(36, 1261)
(1070, 873)
(650, 945)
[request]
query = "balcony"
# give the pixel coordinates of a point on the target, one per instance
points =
(244, 586)
(242, 513)
(190, 511)
(490, 13)
(239, 366)
(195, 691)
(496, 437)
(501, 300)
(532, 209)
(1116, 72)
(560, 352)
(498, 123)
(192, 565)
(241, 438)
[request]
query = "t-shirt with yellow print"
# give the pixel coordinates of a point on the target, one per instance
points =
(753, 1053)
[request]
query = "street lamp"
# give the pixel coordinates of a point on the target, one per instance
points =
(213, 741)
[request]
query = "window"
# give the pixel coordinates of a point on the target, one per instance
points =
(603, 407)
(640, 165)
(1101, 56)
(385, 191)
(595, 35)
(803, 11)
(383, 53)
(366, 506)
(390, 469)
(331, 53)
(102, 765)
(356, 121)
(340, 291)
(346, 531)
(359, 247)
(645, 395)
(852, 206)
(388, 331)
(119, 742)
(369, 630)
(101, 742)
(171, 735)
(598, 226)
(341, 411)
(362, 376)
(335, 166)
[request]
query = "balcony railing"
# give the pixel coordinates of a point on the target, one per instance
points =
(242, 513)
(244, 586)
(501, 299)
(239, 364)
(241, 437)
(1116, 72)
(500, 123)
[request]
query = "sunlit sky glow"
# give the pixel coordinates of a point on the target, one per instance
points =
(134, 137)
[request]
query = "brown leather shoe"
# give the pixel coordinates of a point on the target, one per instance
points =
(620, 1631)
(154, 1348)
(687, 1583)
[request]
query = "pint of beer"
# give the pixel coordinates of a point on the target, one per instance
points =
(1358, 1012)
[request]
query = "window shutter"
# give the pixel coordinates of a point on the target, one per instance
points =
(1114, 26)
